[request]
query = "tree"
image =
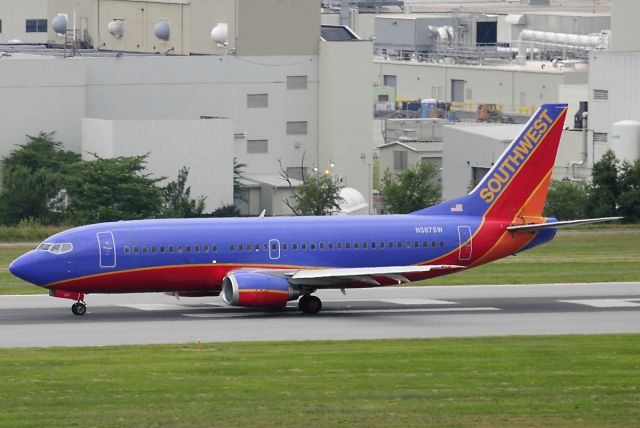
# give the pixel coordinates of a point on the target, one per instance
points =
(604, 190)
(177, 201)
(33, 176)
(114, 189)
(410, 190)
(629, 200)
(239, 189)
(319, 194)
(566, 200)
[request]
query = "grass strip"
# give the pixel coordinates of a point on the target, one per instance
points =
(513, 381)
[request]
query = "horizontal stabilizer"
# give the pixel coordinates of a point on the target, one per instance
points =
(558, 224)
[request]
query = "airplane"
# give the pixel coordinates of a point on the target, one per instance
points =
(265, 262)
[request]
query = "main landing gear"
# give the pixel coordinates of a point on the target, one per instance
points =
(79, 308)
(310, 304)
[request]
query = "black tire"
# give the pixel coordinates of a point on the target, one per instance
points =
(310, 304)
(79, 308)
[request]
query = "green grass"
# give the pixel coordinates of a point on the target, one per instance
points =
(603, 255)
(532, 381)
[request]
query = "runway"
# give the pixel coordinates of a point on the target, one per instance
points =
(397, 312)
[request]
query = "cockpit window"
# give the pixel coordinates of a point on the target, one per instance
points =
(55, 248)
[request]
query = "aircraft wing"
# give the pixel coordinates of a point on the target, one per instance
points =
(558, 224)
(328, 277)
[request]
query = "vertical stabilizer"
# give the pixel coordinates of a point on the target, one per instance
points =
(518, 182)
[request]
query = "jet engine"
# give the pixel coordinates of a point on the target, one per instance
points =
(257, 289)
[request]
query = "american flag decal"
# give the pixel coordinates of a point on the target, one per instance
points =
(457, 208)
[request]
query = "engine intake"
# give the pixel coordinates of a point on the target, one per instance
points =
(257, 289)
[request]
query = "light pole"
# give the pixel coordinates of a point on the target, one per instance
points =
(369, 159)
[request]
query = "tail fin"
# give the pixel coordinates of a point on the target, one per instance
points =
(518, 182)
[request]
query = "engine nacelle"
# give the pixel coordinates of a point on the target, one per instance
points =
(257, 289)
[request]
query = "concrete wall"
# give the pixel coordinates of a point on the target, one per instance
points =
(345, 111)
(625, 30)
(160, 87)
(40, 94)
(256, 27)
(204, 146)
(14, 14)
(278, 27)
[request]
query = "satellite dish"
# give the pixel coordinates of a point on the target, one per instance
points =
(162, 30)
(220, 34)
(116, 28)
(59, 24)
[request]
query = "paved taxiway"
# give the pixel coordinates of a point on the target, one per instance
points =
(406, 312)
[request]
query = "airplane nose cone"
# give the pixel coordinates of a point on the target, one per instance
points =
(24, 267)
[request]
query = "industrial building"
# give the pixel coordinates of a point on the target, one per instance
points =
(241, 78)
(284, 94)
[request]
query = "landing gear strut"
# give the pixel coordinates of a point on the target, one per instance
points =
(310, 304)
(79, 308)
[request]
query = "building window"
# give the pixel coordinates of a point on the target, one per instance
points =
(297, 128)
(400, 158)
(383, 98)
(36, 26)
(257, 100)
(477, 174)
(0, 25)
(257, 146)
(389, 80)
(600, 137)
(600, 94)
(296, 82)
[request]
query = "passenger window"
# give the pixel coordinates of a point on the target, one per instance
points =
(339, 245)
(356, 245)
(365, 245)
(135, 250)
(425, 244)
(153, 250)
(240, 247)
(171, 249)
(256, 247)
(144, 250)
(433, 243)
(382, 244)
(197, 250)
(408, 244)
(347, 245)
(284, 247)
(390, 244)
(399, 244)
(321, 245)
(215, 248)
(232, 247)
(330, 245)
(312, 246)
(416, 244)
(265, 246)
(127, 250)
(441, 243)
(373, 244)
(162, 248)
(294, 246)
(304, 247)
(179, 248)
(205, 248)
(188, 248)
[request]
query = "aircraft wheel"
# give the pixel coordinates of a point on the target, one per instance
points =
(79, 308)
(310, 304)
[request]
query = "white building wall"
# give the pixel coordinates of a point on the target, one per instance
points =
(204, 146)
(345, 111)
(624, 25)
(617, 73)
(14, 13)
(40, 94)
(149, 87)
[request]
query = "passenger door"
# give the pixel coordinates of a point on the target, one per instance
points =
(107, 247)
